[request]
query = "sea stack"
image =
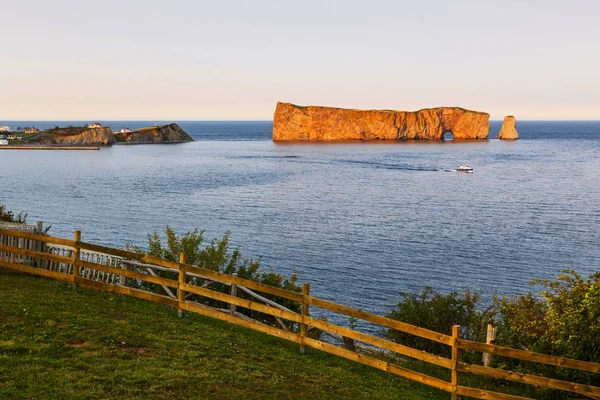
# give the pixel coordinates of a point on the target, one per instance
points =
(509, 129)
(312, 123)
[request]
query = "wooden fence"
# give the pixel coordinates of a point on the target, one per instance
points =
(19, 242)
(103, 268)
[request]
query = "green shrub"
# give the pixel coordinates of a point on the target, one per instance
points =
(438, 312)
(563, 321)
(217, 256)
(9, 216)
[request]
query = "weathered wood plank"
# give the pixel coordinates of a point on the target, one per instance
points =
(261, 287)
(534, 380)
(146, 266)
(129, 274)
(35, 236)
(251, 305)
(382, 343)
(233, 293)
(528, 356)
(486, 394)
(305, 314)
(242, 322)
(36, 254)
(455, 357)
(486, 358)
(130, 255)
(181, 282)
(262, 298)
(165, 287)
(37, 271)
(383, 321)
(77, 256)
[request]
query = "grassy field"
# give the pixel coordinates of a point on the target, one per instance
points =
(56, 343)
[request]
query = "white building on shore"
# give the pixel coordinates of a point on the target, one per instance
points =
(5, 128)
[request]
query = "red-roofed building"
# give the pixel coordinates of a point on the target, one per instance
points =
(95, 125)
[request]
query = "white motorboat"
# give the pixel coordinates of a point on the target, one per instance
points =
(464, 168)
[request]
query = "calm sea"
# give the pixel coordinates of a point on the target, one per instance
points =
(360, 221)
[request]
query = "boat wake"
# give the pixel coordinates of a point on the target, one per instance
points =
(394, 166)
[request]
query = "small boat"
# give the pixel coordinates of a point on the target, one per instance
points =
(464, 168)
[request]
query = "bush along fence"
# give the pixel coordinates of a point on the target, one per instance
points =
(103, 268)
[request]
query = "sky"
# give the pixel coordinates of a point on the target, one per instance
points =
(234, 60)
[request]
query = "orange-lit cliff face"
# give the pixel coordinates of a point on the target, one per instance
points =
(292, 122)
(508, 131)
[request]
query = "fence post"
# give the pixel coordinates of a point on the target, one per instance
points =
(303, 326)
(233, 292)
(38, 245)
(491, 336)
(180, 292)
(76, 259)
(455, 358)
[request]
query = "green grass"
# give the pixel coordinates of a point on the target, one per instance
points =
(56, 343)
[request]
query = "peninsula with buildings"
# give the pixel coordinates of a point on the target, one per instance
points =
(312, 123)
(89, 136)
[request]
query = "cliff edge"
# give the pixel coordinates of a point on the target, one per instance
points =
(292, 122)
(171, 133)
(508, 131)
(75, 136)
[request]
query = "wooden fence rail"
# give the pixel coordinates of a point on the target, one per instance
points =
(104, 268)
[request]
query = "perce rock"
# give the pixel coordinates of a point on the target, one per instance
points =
(292, 122)
(171, 133)
(509, 129)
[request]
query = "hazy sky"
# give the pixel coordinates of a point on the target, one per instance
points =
(220, 59)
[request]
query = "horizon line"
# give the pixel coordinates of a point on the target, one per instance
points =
(245, 120)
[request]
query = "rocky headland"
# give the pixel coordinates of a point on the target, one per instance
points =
(79, 137)
(171, 133)
(76, 136)
(313, 123)
(508, 131)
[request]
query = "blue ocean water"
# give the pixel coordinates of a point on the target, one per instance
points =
(360, 221)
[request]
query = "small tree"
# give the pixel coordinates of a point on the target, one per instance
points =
(217, 256)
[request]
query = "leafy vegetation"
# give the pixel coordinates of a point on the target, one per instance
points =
(98, 345)
(563, 319)
(432, 310)
(9, 216)
(216, 255)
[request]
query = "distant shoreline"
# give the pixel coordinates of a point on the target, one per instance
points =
(49, 148)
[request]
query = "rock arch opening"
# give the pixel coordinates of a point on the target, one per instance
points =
(448, 136)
